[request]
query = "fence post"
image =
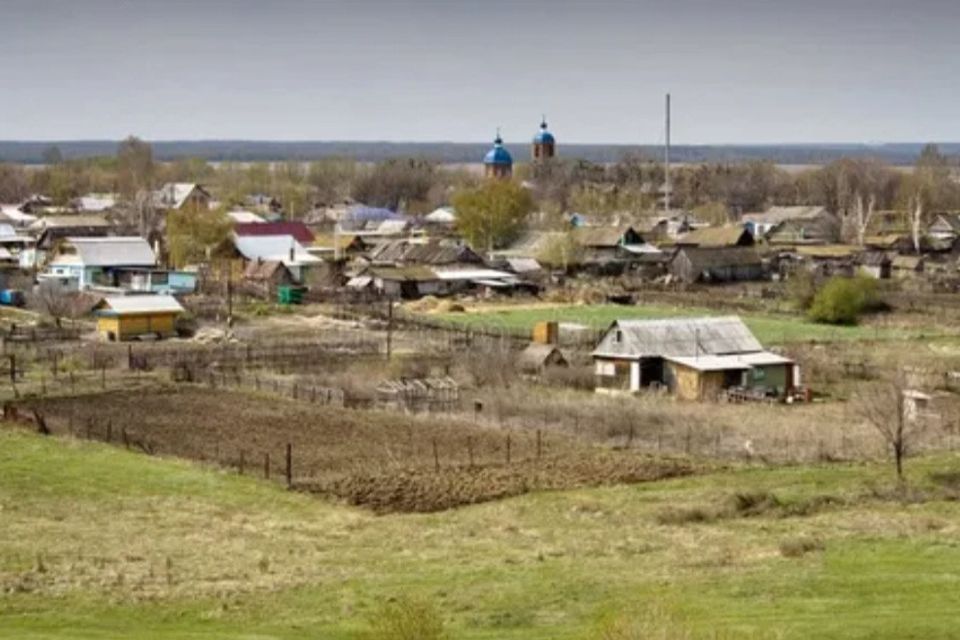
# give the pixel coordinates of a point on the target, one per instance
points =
(539, 444)
(436, 457)
(103, 377)
(266, 466)
(508, 448)
(289, 465)
(109, 430)
(470, 450)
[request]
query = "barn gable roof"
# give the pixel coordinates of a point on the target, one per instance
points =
(677, 337)
(728, 236)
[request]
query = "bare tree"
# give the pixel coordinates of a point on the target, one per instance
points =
(864, 215)
(893, 409)
(56, 301)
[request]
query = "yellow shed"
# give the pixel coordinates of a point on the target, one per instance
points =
(135, 316)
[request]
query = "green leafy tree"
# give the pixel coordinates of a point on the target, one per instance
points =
(192, 233)
(843, 300)
(493, 213)
(561, 251)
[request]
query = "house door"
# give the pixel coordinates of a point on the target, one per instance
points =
(651, 370)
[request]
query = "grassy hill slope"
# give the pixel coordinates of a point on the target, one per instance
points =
(96, 542)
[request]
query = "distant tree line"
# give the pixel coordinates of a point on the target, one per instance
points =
(28, 152)
(630, 189)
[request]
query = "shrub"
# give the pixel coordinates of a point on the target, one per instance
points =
(844, 300)
(801, 288)
(406, 619)
(798, 547)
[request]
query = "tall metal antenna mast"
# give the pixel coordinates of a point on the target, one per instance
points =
(666, 163)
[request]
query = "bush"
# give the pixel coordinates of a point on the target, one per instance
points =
(801, 288)
(798, 547)
(406, 619)
(844, 300)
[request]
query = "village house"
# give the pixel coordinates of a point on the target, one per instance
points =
(265, 277)
(94, 202)
(875, 264)
(945, 226)
(137, 317)
(420, 280)
(717, 238)
(181, 195)
(276, 248)
(906, 267)
(829, 260)
(693, 358)
(705, 264)
(242, 216)
(263, 203)
(433, 252)
(81, 263)
(338, 246)
(299, 231)
(12, 214)
(794, 225)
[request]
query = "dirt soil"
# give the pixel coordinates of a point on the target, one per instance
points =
(382, 460)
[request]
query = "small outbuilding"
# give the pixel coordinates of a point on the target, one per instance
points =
(137, 316)
(537, 358)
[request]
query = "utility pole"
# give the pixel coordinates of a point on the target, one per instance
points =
(666, 163)
(389, 327)
(230, 297)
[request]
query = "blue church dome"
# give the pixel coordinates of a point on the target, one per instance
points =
(543, 136)
(498, 155)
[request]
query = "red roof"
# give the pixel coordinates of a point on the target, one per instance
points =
(298, 230)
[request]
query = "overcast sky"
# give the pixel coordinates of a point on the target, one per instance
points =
(740, 71)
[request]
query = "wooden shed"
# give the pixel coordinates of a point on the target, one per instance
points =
(537, 358)
(132, 317)
(697, 264)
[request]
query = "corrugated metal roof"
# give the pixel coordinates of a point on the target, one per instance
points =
(245, 217)
(677, 337)
(77, 220)
(442, 215)
(131, 305)
(714, 237)
(273, 248)
(763, 358)
(118, 251)
(473, 274)
(289, 228)
(96, 202)
(776, 215)
(709, 363)
(173, 194)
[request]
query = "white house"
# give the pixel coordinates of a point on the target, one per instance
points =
(79, 263)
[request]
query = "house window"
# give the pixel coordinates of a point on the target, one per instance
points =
(618, 338)
(606, 368)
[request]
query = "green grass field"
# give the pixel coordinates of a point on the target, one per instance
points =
(769, 329)
(97, 542)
